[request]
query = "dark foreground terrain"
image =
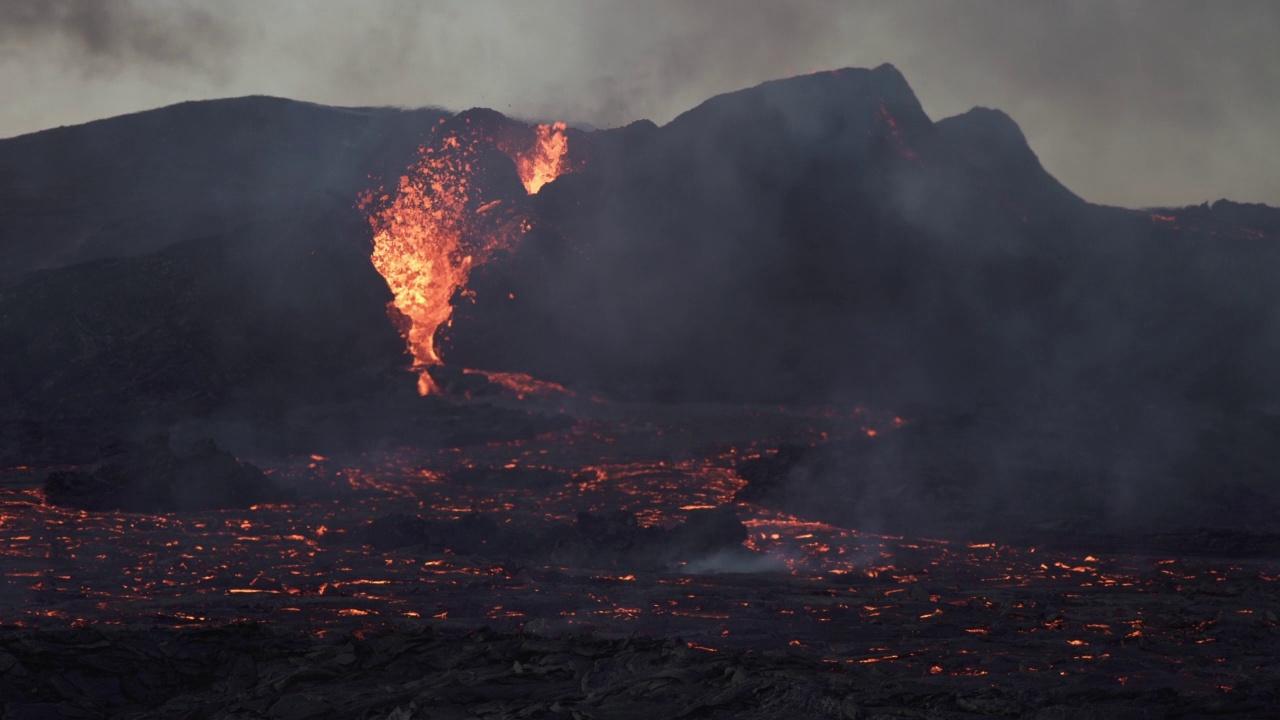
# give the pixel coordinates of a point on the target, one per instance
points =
(614, 569)
(248, 671)
(860, 415)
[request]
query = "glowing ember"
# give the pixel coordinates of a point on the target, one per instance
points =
(522, 385)
(911, 606)
(428, 237)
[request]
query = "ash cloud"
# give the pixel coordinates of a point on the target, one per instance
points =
(1136, 103)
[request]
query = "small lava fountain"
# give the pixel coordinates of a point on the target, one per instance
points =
(427, 238)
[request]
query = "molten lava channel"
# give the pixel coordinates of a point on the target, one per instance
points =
(427, 238)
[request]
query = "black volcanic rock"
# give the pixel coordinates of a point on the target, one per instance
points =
(136, 183)
(201, 321)
(1262, 218)
(991, 143)
(1223, 221)
(681, 265)
(232, 272)
(149, 477)
(609, 539)
(1059, 474)
(273, 339)
(820, 237)
(810, 239)
(247, 322)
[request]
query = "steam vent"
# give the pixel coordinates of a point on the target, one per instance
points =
(801, 405)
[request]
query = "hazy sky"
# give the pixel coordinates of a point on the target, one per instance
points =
(1127, 102)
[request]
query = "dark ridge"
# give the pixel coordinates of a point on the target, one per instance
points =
(816, 91)
(837, 106)
(819, 236)
(991, 131)
(806, 239)
(993, 145)
(136, 183)
(188, 109)
(150, 477)
(1250, 220)
(994, 142)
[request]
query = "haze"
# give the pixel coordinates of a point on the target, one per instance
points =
(1134, 103)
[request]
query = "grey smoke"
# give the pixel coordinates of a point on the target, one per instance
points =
(1132, 102)
(735, 561)
(106, 36)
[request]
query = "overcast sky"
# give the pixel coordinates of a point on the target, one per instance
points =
(1127, 102)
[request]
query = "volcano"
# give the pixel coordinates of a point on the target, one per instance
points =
(807, 239)
(820, 237)
(801, 404)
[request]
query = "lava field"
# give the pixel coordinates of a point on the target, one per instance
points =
(802, 404)
(367, 594)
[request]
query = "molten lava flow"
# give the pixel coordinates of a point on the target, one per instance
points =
(546, 160)
(419, 245)
(522, 385)
(895, 134)
(427, 237)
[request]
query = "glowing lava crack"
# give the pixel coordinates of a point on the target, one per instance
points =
(428, 235)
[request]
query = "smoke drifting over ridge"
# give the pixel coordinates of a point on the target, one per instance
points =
(106, 37)
(1132, 103)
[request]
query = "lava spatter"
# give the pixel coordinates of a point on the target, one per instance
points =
(428, 235)
(546, 160)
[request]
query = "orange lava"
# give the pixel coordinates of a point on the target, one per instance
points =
(428, 236)
(546, 160)
(522, 385)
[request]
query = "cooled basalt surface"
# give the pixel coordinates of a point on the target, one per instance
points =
(1061, 504)
(1038, 475)
(802, 617)
(248, 671)
(150, 477)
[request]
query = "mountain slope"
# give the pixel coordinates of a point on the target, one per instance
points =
(814, 239)
(820, 237)
(136, 183)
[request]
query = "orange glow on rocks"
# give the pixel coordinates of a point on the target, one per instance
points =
(428, 235)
